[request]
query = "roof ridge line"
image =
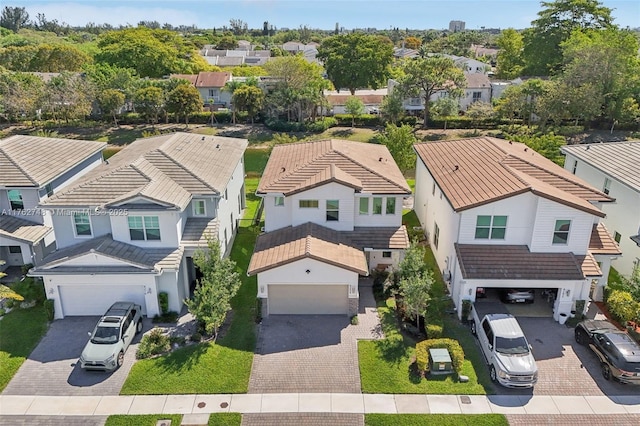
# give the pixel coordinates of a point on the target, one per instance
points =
(18, 167)
(198, 178)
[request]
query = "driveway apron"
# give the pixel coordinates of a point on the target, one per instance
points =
(313, 353)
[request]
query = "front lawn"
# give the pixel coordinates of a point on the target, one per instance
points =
(215, 419)
(435, 420)
(20, 332)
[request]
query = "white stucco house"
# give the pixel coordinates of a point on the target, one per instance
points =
(128, 230)
(614, 167)
(31, 170)
(333, 212)
(210, 85)
(499, 215)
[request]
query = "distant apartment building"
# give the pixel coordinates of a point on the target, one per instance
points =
(456, 26)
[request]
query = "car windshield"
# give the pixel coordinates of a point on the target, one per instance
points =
(105, 335)
(516, 345)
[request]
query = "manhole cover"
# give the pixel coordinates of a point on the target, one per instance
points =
(224, 405)
(465, 399)
(163, 422)
(201, 404)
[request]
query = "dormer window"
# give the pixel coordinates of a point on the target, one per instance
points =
(15, 199)
(199, 208)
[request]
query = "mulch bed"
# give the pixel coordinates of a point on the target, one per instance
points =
(606, 313)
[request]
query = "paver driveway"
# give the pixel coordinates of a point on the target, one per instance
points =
(313, 353)
(53, 367)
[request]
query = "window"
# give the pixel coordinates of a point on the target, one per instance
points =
(415, 102)
(364, 205)
(15, 250)
(607, 185)
(617, 237)
(391, 205)
(49, 188)
(377, 205)
(575, 166)
(308, 204)
(433, 189)
(144, 227)
(199, 208)
(477, 96)
(15, 199)
(491, 227)
(436, 235)
(333, 210)
(279, 201)
(386, 254)
(561, 232)
(81, 224)
(226, 195)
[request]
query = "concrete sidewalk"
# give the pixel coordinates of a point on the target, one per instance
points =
(21, 405)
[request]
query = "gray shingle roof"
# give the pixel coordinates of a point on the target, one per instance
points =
(146, 259)
(196, 231)
(21, 229)
(168, 169)
(34, 161)
(620, 160)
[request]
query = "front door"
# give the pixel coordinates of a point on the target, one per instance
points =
(15, 256)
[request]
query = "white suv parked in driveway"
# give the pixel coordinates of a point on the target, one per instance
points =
(111, 337)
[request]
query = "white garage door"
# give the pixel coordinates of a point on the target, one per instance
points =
(308, 299)
(96, 299)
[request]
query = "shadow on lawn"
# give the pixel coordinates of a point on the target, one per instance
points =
(183, 358)
(342, 133)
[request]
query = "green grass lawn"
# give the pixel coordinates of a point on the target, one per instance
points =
(223, 367)
(215, 419)
(255, 160)
(20, 332)
(435, 420)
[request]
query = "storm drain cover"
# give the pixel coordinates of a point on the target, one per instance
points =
(224, 405)
(201, 404)
(164, 422)
(465, 399)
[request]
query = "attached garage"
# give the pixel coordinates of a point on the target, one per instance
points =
(90, 299)
(308, 299)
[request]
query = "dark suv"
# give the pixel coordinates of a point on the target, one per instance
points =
(619, 354)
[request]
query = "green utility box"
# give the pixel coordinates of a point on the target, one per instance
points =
(439, 361)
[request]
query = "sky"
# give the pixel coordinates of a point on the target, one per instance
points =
(323, 14)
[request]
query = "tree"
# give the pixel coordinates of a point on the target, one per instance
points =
(69, 96)
(400, 140)
(250, 99)
(219, 283)
(479, 111)
(44, 58)
(14, 18)
(412, 42)
(20, 94)
(510, 62)
(556, 22)
(392, 107)
(415, 280)
(356, 60)
(149, 101)
(184, 100)
(445, 107)
(111, 100)
(227, 42)
(354, 106)
(425, 76)
(238, 26)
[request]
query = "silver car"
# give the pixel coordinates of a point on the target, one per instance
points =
(518, 295)
(111, 337)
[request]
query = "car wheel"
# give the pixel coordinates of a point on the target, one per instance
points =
(581, 339)
(139, 326)
(606, 371)
(474, 331)
(120, 359)
(492, 374)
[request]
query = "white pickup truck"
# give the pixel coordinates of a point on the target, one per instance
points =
(503, 345)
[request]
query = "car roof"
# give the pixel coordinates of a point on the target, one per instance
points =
(505, 326)
(593, 325)
(627, 347)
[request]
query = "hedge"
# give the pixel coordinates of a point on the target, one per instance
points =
(622, 306)
(434, 331)
(365, 120)
(317, 126)
(454, 348)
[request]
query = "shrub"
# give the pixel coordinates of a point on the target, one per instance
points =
(49, 306)
(169, 317)
(354, 320)
(2, 312)
(622, 306)
(154, 343)
(196, 337)
(321, 125)
(9, 303)
(466, 309)
(434, 331)
(25, 268)
(409, 120)
(163, 301)
(30, 289)
(365, 120)
(454, 348)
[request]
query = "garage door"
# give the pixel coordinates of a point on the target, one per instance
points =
(95, 300)
(308, 299)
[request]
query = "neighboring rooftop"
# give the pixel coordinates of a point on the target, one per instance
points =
(32, 161)
(620, 160)
(601, 242)
(366, 167)
(166, 169)
(24, 230)
(476, 171)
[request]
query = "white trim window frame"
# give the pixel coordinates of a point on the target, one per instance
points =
(278, 201)
(85, 224)
(199, 207)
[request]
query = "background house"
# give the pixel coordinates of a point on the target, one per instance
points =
(614, 167)
(499, 215)
(31, 170)
(210, 85)
(333, 212)
(128, 230)
(372, 99)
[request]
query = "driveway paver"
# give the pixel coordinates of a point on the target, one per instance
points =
(313, 353)
(53, 368)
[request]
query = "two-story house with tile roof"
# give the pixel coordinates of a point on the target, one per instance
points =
(615, 168)
(31, 170)
(128, 230)
(499, 215)
(333, 212)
